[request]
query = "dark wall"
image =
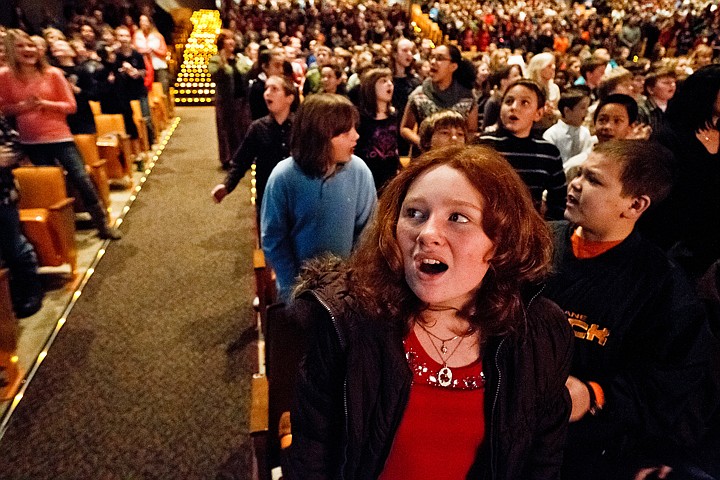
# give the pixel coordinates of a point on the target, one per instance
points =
(37, 11)
(6, 12)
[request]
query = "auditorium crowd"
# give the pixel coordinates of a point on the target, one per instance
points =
(335, 102)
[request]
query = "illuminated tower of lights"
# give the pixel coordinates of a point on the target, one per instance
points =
(193, 85)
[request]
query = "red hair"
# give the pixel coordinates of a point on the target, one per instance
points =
(523, 245)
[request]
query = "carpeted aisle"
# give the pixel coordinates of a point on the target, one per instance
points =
(138, 384)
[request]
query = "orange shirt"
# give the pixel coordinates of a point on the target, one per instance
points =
(587, 249)
(561, 44)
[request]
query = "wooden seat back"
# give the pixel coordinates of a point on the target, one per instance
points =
(107, 123)
(46, 215)
(40, 187)
(95, 166)
(95, 107)
(87, 145)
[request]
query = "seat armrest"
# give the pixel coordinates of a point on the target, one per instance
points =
(98, 164)
(62, 204)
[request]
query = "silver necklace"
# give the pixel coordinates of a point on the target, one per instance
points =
(445, 374)
(443, 348)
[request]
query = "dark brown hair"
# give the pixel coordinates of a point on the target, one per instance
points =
(531, 85)
(652, 78)
(522, 242)
(646, 167)
(224, 35)
(368, 96)
(319, 119)
(289, 88)
(436, 121)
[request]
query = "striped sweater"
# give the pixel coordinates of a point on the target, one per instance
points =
(538, 163)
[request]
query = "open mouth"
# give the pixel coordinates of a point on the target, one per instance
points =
(431, 266)
(571, 200)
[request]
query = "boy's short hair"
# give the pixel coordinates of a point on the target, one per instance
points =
(289, 88)
(571, 97)
(323, 48)
(652, 78)
(646, 167)
(530, 85)
(335, 68)
(590, 64)
(443, 118)
(610, 81)
(621, 99)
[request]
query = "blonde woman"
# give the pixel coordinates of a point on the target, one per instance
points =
(541, 69)
(40, 99)
(148, 41)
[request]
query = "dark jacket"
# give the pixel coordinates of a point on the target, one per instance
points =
(641, 333)
(9, 138)
(354, 383)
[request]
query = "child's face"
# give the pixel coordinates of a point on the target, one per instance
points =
(664, 89)
(520, 110)
(626, 88)
(329, 81)
(595, 200)
(612, 122)
(425, 69)
(343, 145)
(576, 116)
(384, 89)
(512, 76)
(638, 84)
(594, 76)
(447, 135)
(276, 99)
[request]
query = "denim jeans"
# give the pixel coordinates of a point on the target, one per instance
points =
(67, 154)
(18, 255)
(145, 109)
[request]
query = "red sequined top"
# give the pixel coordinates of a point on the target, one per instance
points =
(442, 427)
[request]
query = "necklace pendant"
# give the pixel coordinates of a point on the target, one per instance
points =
(443, 348)
(445, 376)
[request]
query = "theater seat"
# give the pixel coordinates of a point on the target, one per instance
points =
(115, 146)
(160, 112)
(95, 166)
(46, 215)
(95, 107)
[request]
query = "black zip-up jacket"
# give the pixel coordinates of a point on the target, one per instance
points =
(354, 382)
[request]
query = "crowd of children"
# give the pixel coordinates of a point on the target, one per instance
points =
(327, 100)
